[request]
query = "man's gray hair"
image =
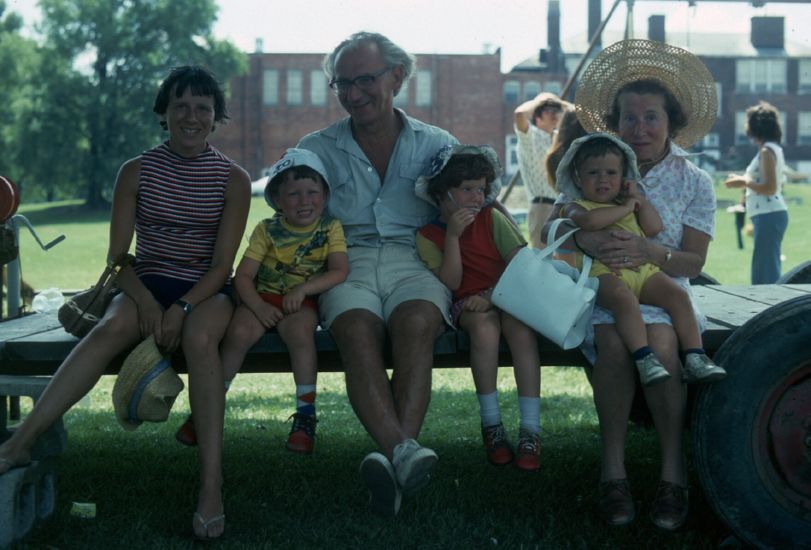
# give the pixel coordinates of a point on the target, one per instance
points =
(393, 54)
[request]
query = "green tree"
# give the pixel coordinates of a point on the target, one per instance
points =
(116, 53)
(18, 58)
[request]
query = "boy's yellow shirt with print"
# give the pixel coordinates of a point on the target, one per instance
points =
(291, 255)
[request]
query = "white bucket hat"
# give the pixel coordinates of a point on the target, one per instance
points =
(566, 184)
(291, 158)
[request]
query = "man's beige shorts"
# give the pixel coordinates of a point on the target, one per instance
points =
(379, 280)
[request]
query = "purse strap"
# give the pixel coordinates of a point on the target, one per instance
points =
(558, 242)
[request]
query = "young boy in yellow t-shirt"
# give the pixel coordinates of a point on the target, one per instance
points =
(291, 258)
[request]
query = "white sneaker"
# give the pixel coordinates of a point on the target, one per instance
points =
(384, 493)
(651, 371)
(700, 369)
(413, 465)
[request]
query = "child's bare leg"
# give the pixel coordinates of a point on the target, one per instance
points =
(662, 291)
(615, 295)
(243, 332)
(484, 329)
(523, 342)
(298, 332)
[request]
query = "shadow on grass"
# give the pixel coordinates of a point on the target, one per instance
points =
(144, 484)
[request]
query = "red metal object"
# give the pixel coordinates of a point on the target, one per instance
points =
(9, 198)
(782, 441)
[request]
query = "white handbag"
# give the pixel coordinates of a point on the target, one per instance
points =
(548, 295)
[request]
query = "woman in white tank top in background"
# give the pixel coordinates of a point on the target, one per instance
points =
(763, 180)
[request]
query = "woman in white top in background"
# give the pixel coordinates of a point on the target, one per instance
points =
(764, 179)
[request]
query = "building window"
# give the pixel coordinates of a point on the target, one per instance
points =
(804, 128)
(718, 93)
(711, 141)
(553, 87)
(270, 87)
(401, 99)
(318, 87)
(804, 80)
(295, 87)
(422, 92)
(740, 129)
(531, 89)
(511, 154)
(760, 76)
(511, 89)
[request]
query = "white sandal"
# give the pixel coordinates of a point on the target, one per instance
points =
(205, 524)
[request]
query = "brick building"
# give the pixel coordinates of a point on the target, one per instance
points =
(285, 95)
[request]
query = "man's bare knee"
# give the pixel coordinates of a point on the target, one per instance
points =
(416, 319)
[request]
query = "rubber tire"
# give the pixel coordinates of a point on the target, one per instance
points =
(724, 416)
(801, 274)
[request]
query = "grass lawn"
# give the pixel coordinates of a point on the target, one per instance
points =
(77, 262)
(144, 484)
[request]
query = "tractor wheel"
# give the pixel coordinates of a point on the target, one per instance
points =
(752, 431)
(799, 275)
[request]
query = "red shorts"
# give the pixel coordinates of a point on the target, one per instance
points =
(276, 300)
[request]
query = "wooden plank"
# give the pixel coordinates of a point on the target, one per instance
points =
(36, 344)
(732, 306)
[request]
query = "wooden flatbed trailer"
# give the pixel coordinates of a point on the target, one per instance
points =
(751, 433)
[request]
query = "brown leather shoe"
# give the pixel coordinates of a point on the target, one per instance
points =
(616, 503)
(669, 511)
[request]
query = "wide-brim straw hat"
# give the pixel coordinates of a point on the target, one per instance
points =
(679, 71)
(565, 182)
(440, 160)
(146, 386)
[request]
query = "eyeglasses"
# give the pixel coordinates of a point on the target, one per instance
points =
(364, 81)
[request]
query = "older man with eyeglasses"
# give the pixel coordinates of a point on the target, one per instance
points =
(373, 158)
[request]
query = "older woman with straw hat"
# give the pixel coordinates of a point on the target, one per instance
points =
(659, 99)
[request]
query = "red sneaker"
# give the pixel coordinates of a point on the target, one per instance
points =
(498, 448)
(528, 452)
(302, 433)
(186, 434)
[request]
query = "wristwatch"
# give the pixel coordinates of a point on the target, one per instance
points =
(184, 305)
(668, 255)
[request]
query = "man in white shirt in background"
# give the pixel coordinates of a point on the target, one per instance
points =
(535, 121)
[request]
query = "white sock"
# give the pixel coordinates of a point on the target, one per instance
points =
(488, 409)
(530, 408)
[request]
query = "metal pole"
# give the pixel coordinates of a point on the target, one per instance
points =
(586, 55)
(509, 188)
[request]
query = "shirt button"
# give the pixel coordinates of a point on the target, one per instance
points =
(369, 169)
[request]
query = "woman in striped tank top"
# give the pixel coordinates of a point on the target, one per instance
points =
(187, 205)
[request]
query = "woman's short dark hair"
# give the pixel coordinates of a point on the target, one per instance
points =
(464, 166)
(593, 148)
(202, 83)
(763, 122)
(299, 172)
(676, 117)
